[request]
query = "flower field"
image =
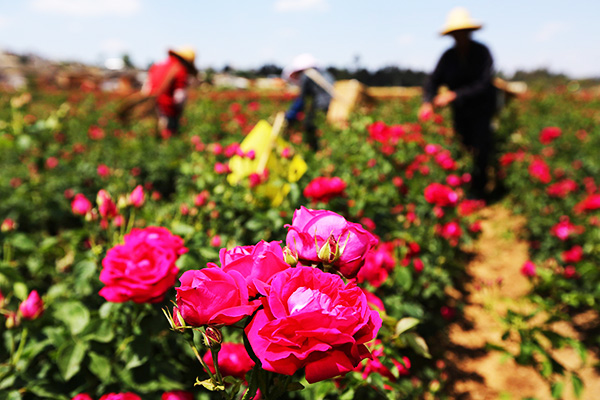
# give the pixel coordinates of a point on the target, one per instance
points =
(195, 267)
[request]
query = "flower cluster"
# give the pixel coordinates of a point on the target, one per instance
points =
(300, 316)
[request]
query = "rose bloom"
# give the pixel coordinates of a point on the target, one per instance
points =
(374, 302)
(201, 198)
(573, 255)
(450, 231)
(177, 395)
(548, 134)
(565, 229)
(211, 296)
(539, 170)
(453, 180)
(562, 188)
(342, 244)
(221, 168)
(106, 206)
(103, 171)
(324, 189)
(95, 132)
(569, 272)
(312, 320)
(528, 269)
(51, 162)
(468, 207)
(440, 195)
(121, 396)
(32, 307)
(8, 225)
(82, 396)
(233, 360)
(590, 203)
(257, 264)
(137, 196)
(143, 268)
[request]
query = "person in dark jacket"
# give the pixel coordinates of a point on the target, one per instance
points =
(316, 92)
(467, 71)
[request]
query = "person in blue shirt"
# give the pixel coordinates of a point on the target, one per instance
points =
(467, 71)
(316, 92)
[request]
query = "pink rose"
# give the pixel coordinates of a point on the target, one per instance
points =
(137, 197)
(440, 195)
(82, 396)
(539, 170)
(256, 263)
(103, 171)
(324, 189)
(528, 269)
(211, 296)
(121, 396)
(565, 229)
(312, 320)
(32, 307)
(81, 205)
(573, 255)
(177, 395)
(233, 360)
(548, 134)
(106, 206)
(143, 268)
(324, 236)
(377, 264)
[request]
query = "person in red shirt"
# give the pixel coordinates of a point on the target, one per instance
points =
(168, 82)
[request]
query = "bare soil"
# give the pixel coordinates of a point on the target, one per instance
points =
(494, 285)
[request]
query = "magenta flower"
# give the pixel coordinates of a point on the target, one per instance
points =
(32, 307)
(312, 320)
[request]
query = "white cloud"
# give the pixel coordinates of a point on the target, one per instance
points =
(405, 39)
(87, 8)
(549, 30)
(301, 5)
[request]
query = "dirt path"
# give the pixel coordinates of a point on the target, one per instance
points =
(496, 284)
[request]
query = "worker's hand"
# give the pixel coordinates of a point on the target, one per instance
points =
(425, 112)
(443, 99)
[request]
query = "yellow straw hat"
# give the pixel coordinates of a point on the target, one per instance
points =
(459, 19)
(187, 54)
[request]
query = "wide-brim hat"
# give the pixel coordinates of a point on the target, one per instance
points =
(459, 19)
(187, 54)
(299, 63)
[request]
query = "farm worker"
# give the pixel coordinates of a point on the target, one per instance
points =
(316, 92)
(467, 70)
(168, 82)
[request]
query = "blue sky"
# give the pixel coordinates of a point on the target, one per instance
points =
(524, 34)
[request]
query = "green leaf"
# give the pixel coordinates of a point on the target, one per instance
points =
(405, 324)
(208, 384)
(20, 290)
(74, 314)
(69, 358)
(557, 389)
(181, 229)
(22, 242)
(418, 344)
(100, 366)
(577, 385)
